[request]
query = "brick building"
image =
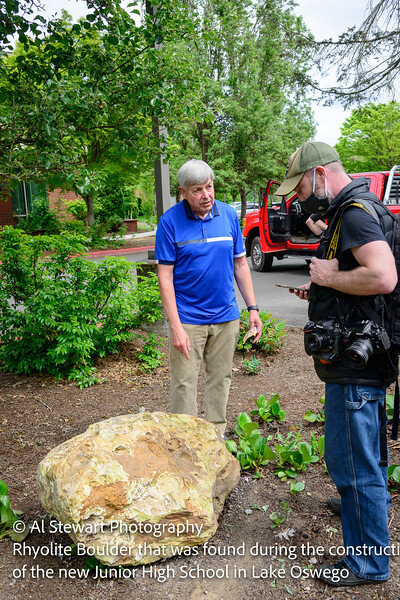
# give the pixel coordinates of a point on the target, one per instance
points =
(20, 202)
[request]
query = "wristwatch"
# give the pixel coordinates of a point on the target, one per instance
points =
(253, 307)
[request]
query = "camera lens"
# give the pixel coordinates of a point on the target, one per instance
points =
(358, 354)
(315, 342)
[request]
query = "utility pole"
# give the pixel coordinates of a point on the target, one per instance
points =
(161, 168)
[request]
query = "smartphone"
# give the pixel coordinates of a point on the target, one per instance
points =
(291, 287)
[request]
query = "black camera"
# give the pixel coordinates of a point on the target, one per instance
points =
(365, 338)
(322, 340)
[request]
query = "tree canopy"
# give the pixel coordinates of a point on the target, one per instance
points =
(77, 103)
(257, 112)
(370, 138)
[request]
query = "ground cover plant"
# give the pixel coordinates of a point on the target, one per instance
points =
(59, 311)
(251, 366)
(272, 338)
(268, 409)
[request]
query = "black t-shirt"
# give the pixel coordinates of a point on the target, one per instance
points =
(358, 228)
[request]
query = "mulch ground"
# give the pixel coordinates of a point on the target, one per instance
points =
(38, 413)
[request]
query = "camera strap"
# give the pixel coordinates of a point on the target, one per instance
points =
(337, 222)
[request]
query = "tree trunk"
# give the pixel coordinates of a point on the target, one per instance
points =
(88, 198)
(242, 193)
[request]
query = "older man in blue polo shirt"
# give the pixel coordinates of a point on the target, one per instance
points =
(199, 249)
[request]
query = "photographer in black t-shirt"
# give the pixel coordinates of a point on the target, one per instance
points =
(353, 269)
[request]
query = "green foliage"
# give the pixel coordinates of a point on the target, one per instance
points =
(77, 208)
(394, 476)
(269, 410)
(278, 518)
(318, 417)
(296, 486)
(59, 312)
(370, 138)
(273, 334)
(42, 219)
(98, 236)
(77, 101)
(78, 228)
(253, 449)
(255, 93)
(251, 366)
(9, 517)
(390, 406)
(295, 455)
(150, 355)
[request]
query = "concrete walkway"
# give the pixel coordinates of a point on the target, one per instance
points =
(124, 251)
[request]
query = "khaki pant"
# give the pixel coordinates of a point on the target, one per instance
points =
(215, 344)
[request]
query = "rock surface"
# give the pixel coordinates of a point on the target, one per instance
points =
(137, 488)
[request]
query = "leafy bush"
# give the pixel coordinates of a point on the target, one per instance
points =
(42, 219)
(269, 410)
(295, 455)
(113, 224)
(78, 209)
(251, 366)
(76, 227)
(58, 313)
(273, 334)
(253, 449)
(150, 356)
(98, 238)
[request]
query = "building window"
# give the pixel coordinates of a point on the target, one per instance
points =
(26, 196)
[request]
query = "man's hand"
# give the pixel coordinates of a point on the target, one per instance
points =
(321, 271)
(302, 291)
(255, 321)
(180, 340)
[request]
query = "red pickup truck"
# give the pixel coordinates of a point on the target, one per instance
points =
(278, 229)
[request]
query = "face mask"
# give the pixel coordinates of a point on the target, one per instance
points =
(315, 204)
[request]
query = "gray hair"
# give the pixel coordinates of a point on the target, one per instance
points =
(194, 172)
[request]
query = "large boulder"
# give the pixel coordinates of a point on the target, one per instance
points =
(137, 488)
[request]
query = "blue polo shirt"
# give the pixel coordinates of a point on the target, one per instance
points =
(202, 252)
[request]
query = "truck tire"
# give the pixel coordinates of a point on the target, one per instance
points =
(260, 261)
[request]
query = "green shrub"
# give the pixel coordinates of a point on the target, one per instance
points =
(76, 227)
(273, 334)
(78, 209)
(150, 356)
(42, 219)
(253, 449)
(58, 313)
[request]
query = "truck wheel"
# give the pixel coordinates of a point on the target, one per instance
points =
(259, 260)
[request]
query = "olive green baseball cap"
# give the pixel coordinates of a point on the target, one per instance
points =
(308, 156)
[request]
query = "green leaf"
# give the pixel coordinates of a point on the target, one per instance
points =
(3, 488)
(394, 473)
(231, 446)
(242, 419)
